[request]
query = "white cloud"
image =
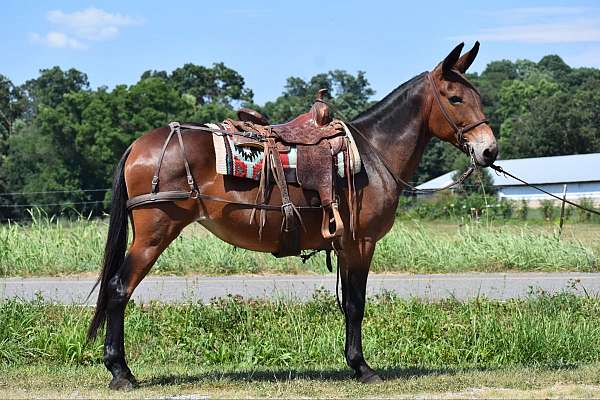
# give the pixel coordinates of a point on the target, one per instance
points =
(539, 12)
(57, 40)
(542, 25)
(92, 23)
(74, 29)
(569, 32)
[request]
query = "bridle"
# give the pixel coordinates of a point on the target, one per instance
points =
(461, 143)
(459, 131)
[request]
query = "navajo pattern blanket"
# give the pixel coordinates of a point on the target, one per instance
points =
(246, 161)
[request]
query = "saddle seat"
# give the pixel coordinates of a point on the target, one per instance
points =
(306, 129)
(318, 138)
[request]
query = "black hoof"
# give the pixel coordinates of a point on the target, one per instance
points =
(369, 378)
(122, 383)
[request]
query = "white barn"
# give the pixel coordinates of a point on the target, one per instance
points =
(580, 172)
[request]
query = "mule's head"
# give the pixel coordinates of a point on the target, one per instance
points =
(456, 111)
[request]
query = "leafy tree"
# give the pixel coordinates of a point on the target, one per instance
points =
(12, 106)
(58, 134)
(559, 124)
(33, 165)
(555, 65)
(52, 84)
(218, 84)
(350, 95)
(489, 83)
(516, 99)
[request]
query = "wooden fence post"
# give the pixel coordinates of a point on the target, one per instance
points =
(562, 211)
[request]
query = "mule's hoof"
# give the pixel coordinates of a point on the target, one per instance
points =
(121, 383)
(369, 378)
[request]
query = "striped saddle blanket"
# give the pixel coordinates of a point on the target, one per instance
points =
(245, 160)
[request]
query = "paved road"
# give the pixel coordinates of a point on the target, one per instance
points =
(301, 287)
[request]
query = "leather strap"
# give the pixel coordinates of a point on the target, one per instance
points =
(190, 179)
(221, 132)
(160, 197)
(290, 234)
(175, 129)
(155, 179)
(177, 195)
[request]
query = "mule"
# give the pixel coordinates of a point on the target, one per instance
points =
(391, 137)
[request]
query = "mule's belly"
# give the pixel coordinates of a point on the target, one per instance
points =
(235, 227)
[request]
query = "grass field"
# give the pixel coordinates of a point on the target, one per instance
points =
(190, 381)
(237, 348)
(48, 247)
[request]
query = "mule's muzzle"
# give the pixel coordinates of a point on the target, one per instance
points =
(484, 152)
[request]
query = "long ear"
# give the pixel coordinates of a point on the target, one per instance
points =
(467, 59)
(452, 58)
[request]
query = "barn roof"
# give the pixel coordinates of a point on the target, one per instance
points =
(541, 170)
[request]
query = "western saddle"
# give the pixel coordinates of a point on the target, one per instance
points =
(318, 139)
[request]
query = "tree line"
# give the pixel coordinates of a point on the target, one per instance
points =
(59, 136)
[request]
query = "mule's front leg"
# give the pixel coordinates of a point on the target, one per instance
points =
(354, 268)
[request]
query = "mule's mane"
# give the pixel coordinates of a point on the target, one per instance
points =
(397, 97)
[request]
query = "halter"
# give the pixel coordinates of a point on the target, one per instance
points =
(459, 131)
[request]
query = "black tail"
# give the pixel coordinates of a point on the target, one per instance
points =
(116, 244)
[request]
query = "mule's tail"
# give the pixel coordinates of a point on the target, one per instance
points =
(116, 244)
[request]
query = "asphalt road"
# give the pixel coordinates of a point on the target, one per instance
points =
(301, 287)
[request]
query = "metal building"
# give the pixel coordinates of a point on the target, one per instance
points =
(580, 172)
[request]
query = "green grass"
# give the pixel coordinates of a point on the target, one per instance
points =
(49, 381)
(272, 348)
(544, 330)
(55, 247)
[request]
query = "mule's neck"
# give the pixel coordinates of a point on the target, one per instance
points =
(396, 126)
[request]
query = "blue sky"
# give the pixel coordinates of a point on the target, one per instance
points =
(268, 41)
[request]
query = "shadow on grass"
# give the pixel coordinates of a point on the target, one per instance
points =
(280, 375)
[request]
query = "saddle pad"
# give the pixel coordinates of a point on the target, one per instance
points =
(246, 160)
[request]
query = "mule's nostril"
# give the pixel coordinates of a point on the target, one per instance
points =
(490, 153)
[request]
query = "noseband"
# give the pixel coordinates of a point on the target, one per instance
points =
(459, 131)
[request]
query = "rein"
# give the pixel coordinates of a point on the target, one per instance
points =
(501, 170)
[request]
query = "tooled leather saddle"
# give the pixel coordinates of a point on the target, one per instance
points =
(318, 139)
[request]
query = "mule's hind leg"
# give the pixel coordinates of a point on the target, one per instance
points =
(154, 230)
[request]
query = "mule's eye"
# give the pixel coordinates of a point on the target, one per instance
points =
(455, 100)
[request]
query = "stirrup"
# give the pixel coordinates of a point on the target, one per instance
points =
(336, 220)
